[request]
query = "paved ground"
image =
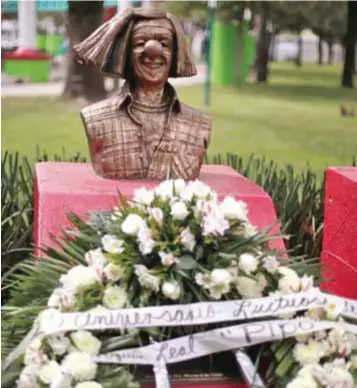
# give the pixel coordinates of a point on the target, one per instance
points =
(10, 87)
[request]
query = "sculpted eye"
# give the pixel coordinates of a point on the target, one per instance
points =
(164, 43)
(140, 43)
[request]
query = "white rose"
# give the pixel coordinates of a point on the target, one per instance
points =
(50, 372)
(165, 190)
(303, 382)
(28, 377)
(132, 224)
(248, 288)
(309, 353)
(179, 211)
(145, 279)
(62, 298)
(220, 283)
(353, 361)
(146, 242)
(307, 283)
(187, 239)
(248, 263)
(80, 365)
(200, 189)
(79, 277)
(167, 259)
(113, 272)
(289, 282)
(143, 196)
(171, 290)
(179, 185)
(96, 257)
(234, 210)
(86, 342)
(157, 214)
(115, 297)
(112, 244)
(271, 264)
(89, 384)
(58, 343)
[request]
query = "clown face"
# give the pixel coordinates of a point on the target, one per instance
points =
(151, 51)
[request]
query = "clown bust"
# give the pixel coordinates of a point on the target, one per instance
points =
(144, 131)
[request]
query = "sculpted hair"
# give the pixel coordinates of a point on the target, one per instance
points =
(107, 48)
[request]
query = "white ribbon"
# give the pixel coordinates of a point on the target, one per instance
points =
(52, 322)
(218, 340)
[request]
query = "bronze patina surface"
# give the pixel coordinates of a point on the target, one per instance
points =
(144, 130)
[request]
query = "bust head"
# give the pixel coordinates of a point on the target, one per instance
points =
(122, 46)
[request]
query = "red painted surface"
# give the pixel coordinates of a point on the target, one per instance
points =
(28, 55)
(64, 187)
(339, 255)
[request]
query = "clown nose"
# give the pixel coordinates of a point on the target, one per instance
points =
(152, 48)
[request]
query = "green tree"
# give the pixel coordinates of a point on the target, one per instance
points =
(82, 82)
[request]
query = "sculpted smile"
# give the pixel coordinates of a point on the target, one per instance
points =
(152, 64)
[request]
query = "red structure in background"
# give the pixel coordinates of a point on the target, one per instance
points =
(109, 13)
(73, 187)
(339, 255)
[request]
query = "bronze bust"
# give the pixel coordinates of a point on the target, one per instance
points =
(144, 129)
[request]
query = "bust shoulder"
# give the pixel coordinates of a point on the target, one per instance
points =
(194, 117)
(99, 110)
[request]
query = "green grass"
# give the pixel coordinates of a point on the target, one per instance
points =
(294, 119)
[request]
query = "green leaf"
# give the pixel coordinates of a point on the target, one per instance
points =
(186, 262)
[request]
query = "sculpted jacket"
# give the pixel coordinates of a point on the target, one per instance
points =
(117, 146)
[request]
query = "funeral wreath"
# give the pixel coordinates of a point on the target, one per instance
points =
(172, 275)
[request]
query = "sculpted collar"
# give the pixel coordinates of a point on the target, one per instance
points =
(125, 96)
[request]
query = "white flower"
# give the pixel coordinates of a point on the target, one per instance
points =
(146, 243)
(115, 297)
(80, 365)
(303, 382)
(339, 342)
(61, 298)
(112, 244)
(203, 280)
(171, 290)
(214, 223)
(99, 308)
(248, 263)
(198, 189)
(234, 210)
(149, 281)
(249, 230)
(271, 264)
(113, 272)
(96, 257)
(132, 224)
(179, 211)
(309, 353)
(289, 282)
(167, 259)
(307, 283)
(89, 384)
(50, 372)
(220, 283)
(58, 343)
(86, 342)
(34, 353)
(28, 377)
(143, 196)
(157, 214)
(233, 268)
(335, 374)
(248, 288)
(187, 239)
(80, 277)
(165, 190)
(140, 270)
(333, 310)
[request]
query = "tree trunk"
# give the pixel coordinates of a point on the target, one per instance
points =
(350, 46)
(263, 47)
(298, 60)
(82, 82)
(320, 59)
(331, 52)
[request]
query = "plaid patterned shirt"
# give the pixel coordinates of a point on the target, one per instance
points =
(117, 146)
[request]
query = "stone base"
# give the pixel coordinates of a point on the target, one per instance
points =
(339, 255)
(73, 187)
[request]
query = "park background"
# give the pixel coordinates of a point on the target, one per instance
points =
(277, 77)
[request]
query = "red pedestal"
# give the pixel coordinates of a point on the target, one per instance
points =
(64, 187)
(214, 385)
(339, 255)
